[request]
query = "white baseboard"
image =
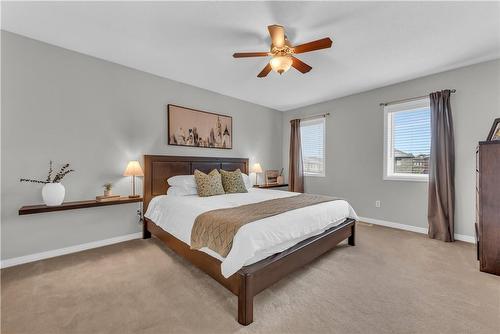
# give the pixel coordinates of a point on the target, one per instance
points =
(422, 230)
(394, 225)
(466, 238)
(68, 250)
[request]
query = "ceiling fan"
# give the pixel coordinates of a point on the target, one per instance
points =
(282, 52)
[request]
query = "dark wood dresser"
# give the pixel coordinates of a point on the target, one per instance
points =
(488, 206)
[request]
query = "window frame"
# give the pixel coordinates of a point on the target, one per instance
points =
(388, 158)
(323, 120)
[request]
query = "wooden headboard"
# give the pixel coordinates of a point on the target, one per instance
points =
(158, 168)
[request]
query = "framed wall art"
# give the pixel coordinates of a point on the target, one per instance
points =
(197, 128)
(495, 130)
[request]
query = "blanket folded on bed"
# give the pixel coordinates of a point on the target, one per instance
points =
(216, 229)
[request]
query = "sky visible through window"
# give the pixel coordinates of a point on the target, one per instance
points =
(412, 131)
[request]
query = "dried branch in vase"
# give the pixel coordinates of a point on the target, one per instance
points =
(50, 171)
(33, 181)
(57, 178)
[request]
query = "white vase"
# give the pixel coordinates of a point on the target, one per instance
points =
(53, 194)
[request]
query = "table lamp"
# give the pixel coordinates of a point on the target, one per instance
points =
(256, 169)
(133, 169)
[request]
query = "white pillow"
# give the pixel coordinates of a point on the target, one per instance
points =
(182, 181)
(246, 180)
(181, 191)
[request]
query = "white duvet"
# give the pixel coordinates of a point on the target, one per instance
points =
(254, 241)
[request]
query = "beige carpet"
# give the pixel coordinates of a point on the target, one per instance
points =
(391, 282)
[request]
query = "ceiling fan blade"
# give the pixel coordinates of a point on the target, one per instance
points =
(265, 71)
(323, 43)
(250, 54)
(300, 65)
(277, 33)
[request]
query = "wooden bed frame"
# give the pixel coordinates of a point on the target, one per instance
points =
(251, 279)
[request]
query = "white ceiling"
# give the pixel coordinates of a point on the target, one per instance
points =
(375, 44)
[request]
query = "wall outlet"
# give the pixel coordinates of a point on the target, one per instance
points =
(377, 204)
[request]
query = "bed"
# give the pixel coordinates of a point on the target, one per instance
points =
(245, 271)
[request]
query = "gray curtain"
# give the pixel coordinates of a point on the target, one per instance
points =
(442, 169)
(296, 167)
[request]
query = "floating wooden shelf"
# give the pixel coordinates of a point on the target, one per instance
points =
(274, 185)
(31, 209)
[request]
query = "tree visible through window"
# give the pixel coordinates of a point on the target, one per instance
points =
(407, 140)
(312, 134)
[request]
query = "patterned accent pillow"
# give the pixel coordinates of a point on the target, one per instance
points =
(208, 184)
(233, 182)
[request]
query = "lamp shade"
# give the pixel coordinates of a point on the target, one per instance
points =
(133, 169)
(281, 64)
(256, 168)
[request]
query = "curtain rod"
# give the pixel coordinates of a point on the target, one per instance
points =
(315, 116)
(410, 99)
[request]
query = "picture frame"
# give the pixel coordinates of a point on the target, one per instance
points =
(494, 134)
(198, 128)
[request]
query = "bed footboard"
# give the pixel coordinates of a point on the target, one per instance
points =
(258, 276)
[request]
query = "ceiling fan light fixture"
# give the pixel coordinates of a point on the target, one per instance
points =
(283, 52)
(281, 64)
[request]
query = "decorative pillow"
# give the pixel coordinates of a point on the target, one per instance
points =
(233, 182)
(208, 185)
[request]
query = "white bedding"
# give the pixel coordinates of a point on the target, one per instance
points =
(257, 240)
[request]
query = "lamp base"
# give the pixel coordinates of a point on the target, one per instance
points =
(134, 196)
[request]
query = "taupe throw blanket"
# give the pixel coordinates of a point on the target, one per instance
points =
(216, 229)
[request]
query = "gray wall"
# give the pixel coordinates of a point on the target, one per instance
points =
(354, 145)
(69, 107)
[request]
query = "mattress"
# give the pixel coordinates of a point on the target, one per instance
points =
(254, 241)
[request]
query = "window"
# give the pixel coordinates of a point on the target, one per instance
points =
(407, 140)
(312, 134)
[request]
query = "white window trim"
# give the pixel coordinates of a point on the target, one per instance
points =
(389, 175)
(323, 174)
